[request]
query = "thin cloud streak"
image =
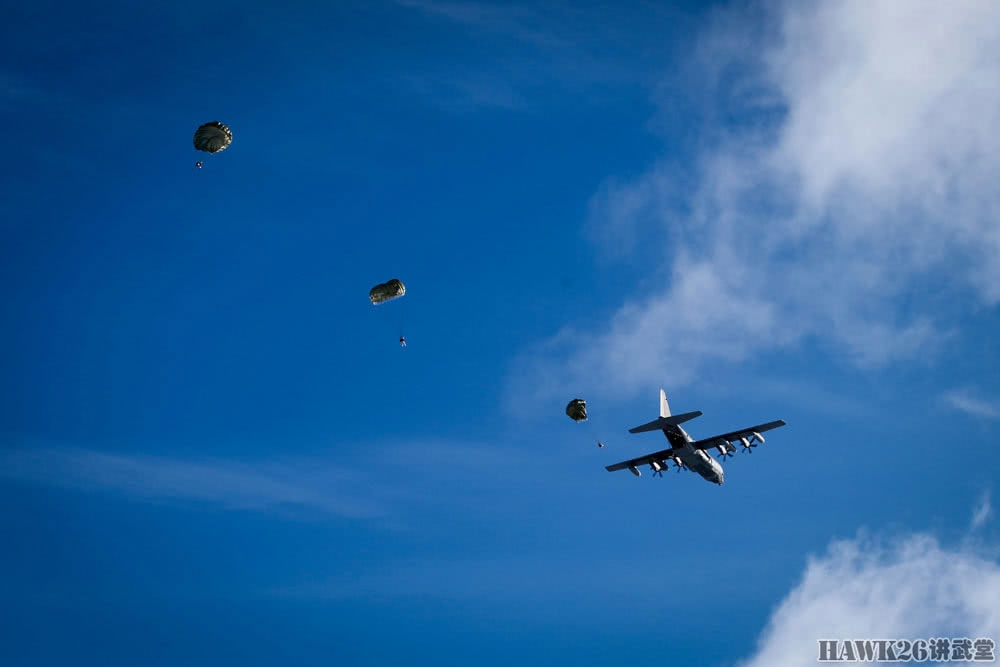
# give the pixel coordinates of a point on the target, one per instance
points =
(264, 486)
(809, 396)
(375, 486)
(510, 578)
(460, 94)
(855, 178)
(15, 94)
(561, 585)
(555, 46)
(965, 401)
(505, 19)
(982, 513)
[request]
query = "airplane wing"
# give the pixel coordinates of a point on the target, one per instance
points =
(735, 436)
(658, 457)
(715, 441)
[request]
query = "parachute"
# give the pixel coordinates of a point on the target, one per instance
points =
(577, 410)
(387, 291)
(213, 137)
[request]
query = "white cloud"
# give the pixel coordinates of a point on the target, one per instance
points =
(846, 216)
(982, 513)
(966, 401)
(912, 588)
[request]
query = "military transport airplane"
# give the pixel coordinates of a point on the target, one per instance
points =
(688, 453)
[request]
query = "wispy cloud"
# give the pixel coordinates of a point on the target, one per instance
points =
(498, 578)
(549, 46)
(17, 93)
(372, 486)
(982, 513)
(811, 396)
(563, 586)
(966, 401)
(911, 588)
(519, 22)
(459, 94)
(855, 175)
(232, 485)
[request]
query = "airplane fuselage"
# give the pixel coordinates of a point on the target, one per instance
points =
(692, 458)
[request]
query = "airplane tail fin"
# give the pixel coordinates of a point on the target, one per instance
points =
(666, 419)
(664, 406)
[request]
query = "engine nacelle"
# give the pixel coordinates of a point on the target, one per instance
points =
(758, 437)
(722, 449)
(746, 443)
(635, 471)
(677, 462)
(655, 466)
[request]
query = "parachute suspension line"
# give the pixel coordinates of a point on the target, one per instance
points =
(388, 291)
(595, 431)
(577, 411)
(399, 319)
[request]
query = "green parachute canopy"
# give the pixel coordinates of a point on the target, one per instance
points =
(577, 410)
(387, 291)
(213, 137)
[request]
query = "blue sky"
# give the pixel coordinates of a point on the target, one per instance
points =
(212, 449)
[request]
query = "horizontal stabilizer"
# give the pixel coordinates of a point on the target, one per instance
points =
(663, 422)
